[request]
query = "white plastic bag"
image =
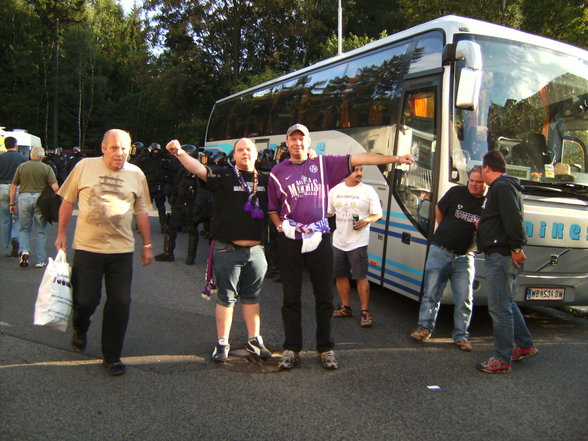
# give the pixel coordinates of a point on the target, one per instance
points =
(54, 301)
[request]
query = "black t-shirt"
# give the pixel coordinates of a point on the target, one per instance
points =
(9, 162)
(460, 210)
(229, 220)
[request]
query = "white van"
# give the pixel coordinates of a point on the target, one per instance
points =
(24, 139)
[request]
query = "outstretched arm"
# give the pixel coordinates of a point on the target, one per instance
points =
(191, 164)
(374, 159)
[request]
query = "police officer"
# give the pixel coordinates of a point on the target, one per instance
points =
(137, 152)
(156, 167)
(60, 162)
(203, 205)
(265, 161)
(183, 212)
(76, 157)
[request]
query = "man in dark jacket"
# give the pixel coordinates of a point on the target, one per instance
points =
(157, 167)
(183, 213)
(501, 236)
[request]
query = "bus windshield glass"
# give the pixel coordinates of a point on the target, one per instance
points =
(533, 107)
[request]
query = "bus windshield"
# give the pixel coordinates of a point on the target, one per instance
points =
(533, 107)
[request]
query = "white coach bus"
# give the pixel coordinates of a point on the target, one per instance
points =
(446, 91)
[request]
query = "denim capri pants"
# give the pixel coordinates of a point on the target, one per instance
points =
(238, 272)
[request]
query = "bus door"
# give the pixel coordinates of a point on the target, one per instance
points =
(410, 218)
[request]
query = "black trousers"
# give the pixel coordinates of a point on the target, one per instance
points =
(88, 271)
(320, 268)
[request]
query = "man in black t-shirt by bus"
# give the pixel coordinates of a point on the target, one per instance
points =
(451, 257)
(238, 227)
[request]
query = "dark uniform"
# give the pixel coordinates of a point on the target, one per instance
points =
(184, 213)
(59, 160)
(265, 162)
(75, 158)
(157, 168)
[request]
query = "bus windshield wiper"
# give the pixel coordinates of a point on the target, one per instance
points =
(564, 189)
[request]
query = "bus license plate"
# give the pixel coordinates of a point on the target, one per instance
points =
(545, 293)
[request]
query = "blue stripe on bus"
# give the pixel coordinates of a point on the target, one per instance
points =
(404, 277)
(403, 226)
(402, 287)
(413, 239)
(374, 276)
(377, 230)
(398, 215)
(408, 269)
(225, 148)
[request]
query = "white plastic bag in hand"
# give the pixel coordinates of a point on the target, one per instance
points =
(54, 301)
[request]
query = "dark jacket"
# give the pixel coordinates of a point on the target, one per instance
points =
(501, 225)
(48, 203)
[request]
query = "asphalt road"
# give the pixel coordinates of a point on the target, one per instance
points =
(387, 387)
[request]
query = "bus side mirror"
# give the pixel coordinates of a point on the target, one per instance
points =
(470, 76)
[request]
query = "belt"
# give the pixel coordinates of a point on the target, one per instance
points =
(504, 251)
(449, 250)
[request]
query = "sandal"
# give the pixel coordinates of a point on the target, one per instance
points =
(366, 318)
(343, 311)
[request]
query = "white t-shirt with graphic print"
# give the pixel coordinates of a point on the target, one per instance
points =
(344, 201)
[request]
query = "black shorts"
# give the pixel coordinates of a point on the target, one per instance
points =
(352, 263)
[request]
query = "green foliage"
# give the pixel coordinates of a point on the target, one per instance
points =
(350, 42)
(73, 68)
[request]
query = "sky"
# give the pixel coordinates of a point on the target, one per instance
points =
(127, 5)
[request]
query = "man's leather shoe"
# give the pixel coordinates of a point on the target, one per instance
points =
(114, 368)
(79, 341)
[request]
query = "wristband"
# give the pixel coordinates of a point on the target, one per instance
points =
(179, 152)
(148, 245)
(12, 205)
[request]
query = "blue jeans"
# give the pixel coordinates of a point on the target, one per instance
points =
(507, 320)
(5, 219)
(238, 273)
(29, 215)
(441, 266)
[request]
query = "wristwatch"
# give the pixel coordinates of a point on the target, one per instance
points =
(517, 250)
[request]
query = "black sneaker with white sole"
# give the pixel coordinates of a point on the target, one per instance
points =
(255, 346)
(221, 352)
(24, 259)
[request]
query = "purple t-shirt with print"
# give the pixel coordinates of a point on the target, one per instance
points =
(299, 191)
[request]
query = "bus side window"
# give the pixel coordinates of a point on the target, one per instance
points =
(417, 136)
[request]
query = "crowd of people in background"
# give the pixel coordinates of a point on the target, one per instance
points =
(261, 201)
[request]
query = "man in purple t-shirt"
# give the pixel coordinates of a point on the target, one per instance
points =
(297, 205)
